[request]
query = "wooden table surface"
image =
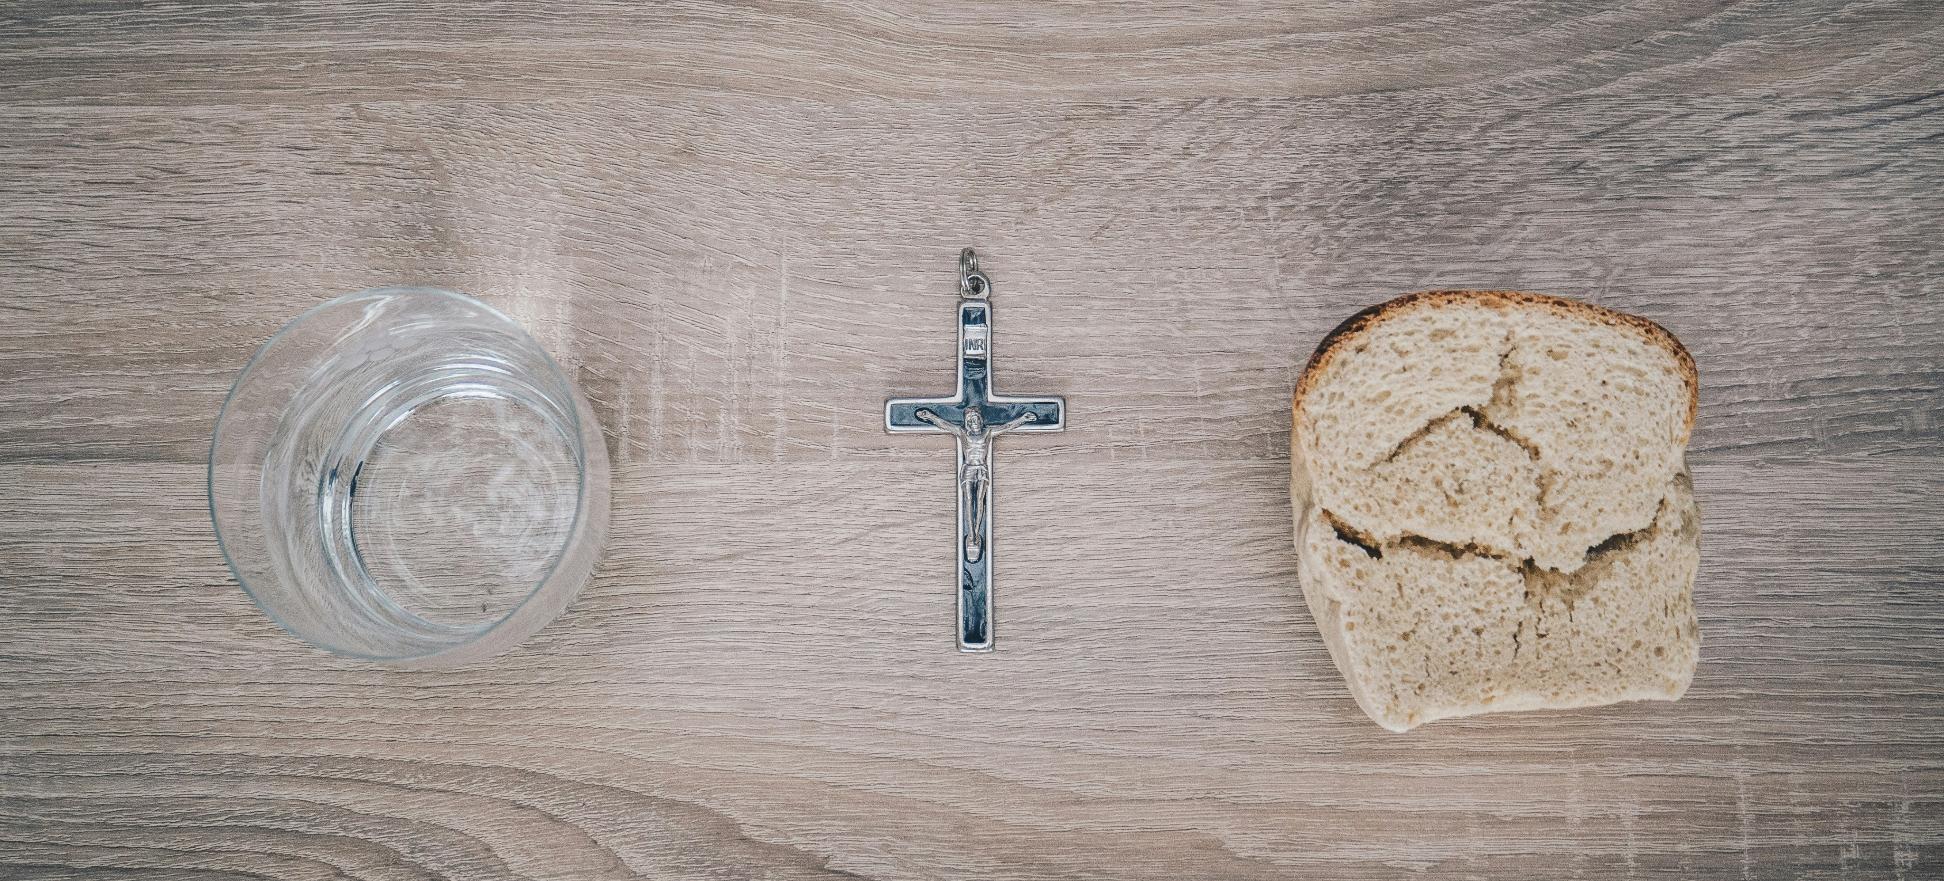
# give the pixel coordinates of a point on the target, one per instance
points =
(736, 225)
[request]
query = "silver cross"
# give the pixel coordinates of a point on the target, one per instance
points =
(975, 415)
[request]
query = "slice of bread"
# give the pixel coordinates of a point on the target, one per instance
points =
(1492, 505)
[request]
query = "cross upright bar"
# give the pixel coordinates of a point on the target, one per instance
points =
(975, 415)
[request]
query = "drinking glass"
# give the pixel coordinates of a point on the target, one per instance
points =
(404, 475)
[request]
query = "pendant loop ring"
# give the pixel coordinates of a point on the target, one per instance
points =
(973, 284)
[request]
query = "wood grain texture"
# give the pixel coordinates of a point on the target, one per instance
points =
(735, 224)
(336, 51)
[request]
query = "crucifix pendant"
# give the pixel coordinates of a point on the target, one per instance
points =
(975, 416)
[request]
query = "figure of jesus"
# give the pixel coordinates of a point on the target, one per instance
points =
(975, 479)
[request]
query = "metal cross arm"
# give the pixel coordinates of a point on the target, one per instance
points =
(975, 415)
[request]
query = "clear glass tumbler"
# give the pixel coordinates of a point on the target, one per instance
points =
(404, 475)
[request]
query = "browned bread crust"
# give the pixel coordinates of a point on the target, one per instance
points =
(1356, 325)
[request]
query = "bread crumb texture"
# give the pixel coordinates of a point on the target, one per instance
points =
(1495, 511)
